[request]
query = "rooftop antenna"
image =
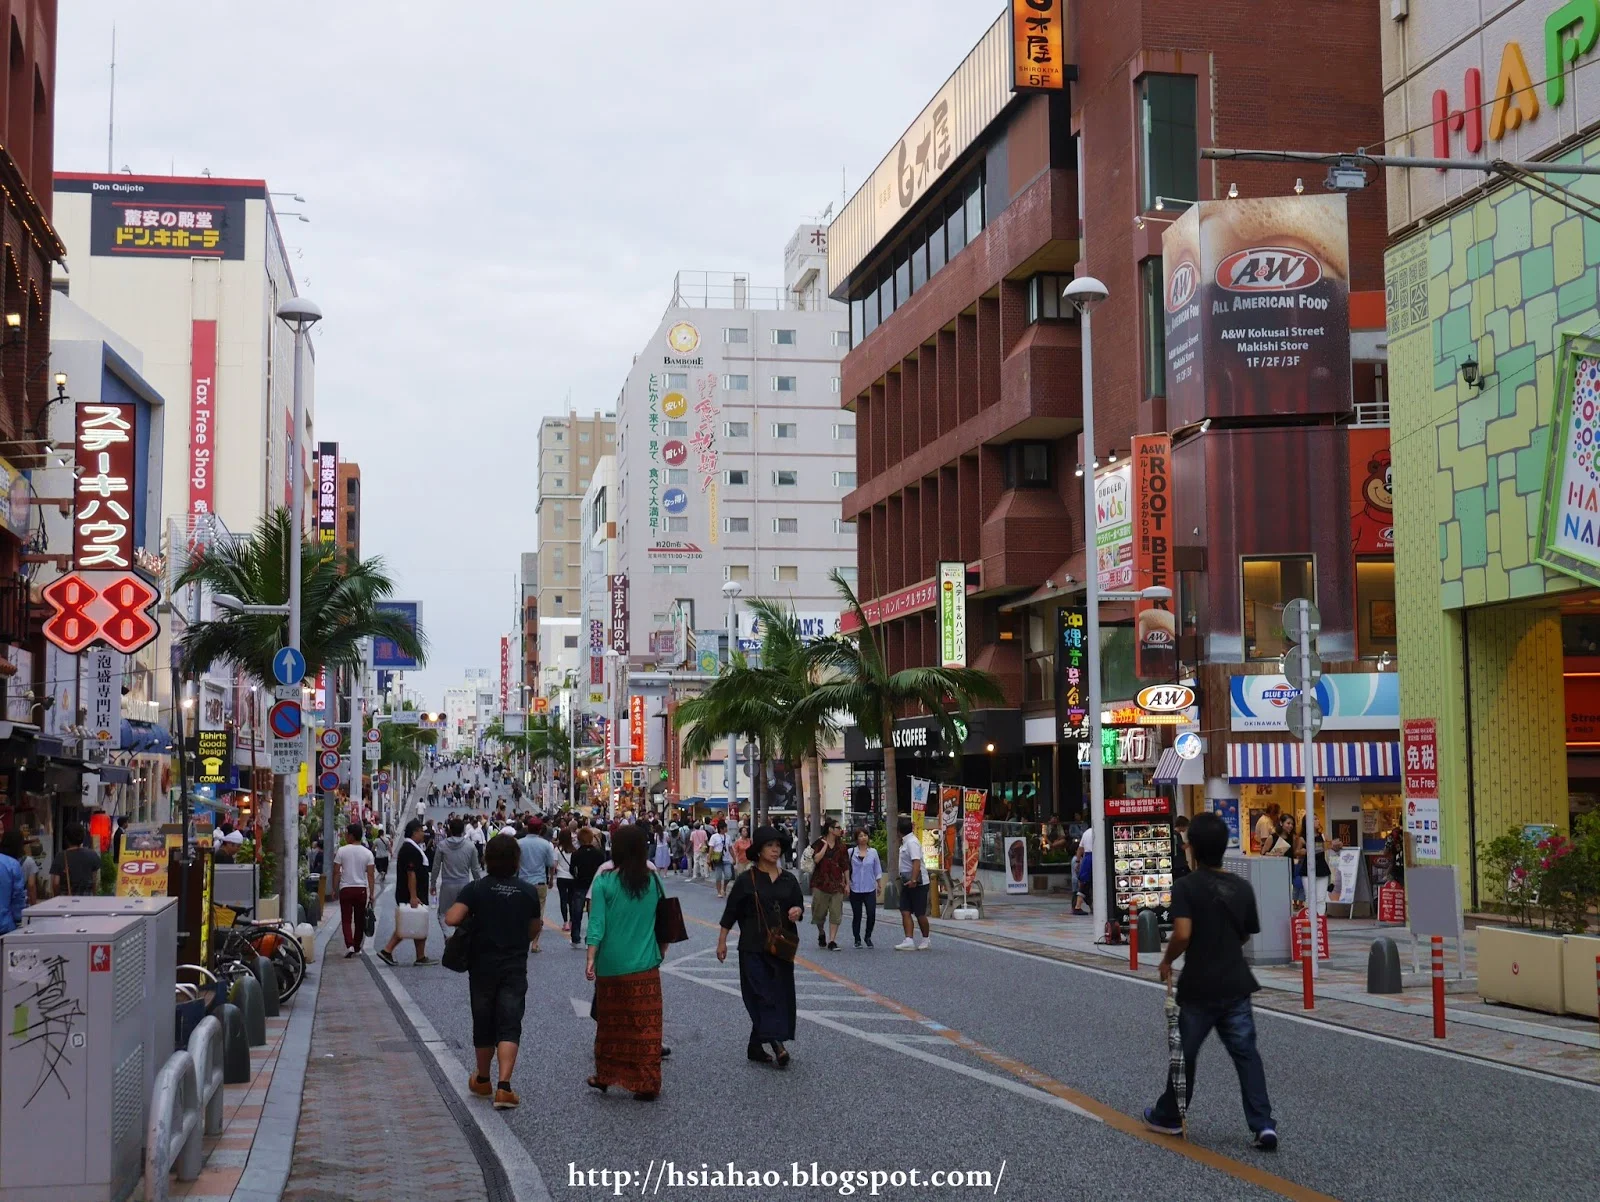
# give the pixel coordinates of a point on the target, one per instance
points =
(844, 193)
(111, 116)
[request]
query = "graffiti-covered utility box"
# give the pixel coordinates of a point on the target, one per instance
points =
(73, 1020)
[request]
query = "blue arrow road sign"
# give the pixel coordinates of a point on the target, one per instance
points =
(289, 666)
(328, 781)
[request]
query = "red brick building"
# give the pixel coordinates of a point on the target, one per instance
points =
(965, 371)
(347, 536)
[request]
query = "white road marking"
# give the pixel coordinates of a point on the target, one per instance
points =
(580, 1006)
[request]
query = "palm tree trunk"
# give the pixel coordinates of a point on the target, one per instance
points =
(815, 808)
(891, 786)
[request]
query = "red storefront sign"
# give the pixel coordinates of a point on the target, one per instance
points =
(105, 606)
(1136, 807)
(1391, 902)
(102, 514)
(1155, 624)
(910, 600)
(505, 672)
(202, 416)
(636, 728)
(1420, 749)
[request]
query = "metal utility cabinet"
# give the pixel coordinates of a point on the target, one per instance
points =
(1269, 877)
(161, 963)
(73, 1021)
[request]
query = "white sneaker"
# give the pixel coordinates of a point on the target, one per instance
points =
(905, 945)
(925, 944)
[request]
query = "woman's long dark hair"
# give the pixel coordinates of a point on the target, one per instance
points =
(627, 853)
(564, 840)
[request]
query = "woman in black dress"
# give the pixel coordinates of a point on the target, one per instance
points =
(762, 901)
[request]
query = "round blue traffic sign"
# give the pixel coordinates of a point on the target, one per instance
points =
(328, 781)
(284, 719)
(674, 500)
(288, 666)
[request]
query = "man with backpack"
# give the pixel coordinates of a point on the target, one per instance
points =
(1213, 913)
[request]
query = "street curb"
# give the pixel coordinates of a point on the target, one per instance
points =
(524, 1182)
(266, 1172)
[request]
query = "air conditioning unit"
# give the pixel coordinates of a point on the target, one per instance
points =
(72, 1058)
(160, 915)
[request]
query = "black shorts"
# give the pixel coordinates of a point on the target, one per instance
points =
(498, 990)
(914, 900)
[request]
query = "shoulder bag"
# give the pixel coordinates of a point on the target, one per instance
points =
(669, 918)
(776, 941)
(457, 954)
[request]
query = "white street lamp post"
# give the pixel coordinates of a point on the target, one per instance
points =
(1085, 293)
(300, 315)
(731, 590)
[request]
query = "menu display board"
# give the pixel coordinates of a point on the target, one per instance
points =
(1141, 856)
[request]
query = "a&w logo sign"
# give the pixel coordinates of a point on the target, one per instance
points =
(1181, 287)
(1268, 269)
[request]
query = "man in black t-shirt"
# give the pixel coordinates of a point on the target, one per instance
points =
(1213, 913)
(77, 868)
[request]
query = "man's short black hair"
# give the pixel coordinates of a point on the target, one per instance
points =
(501, 856)
(1208, 839)
(905, 826)
(72, 836)
(354, 832)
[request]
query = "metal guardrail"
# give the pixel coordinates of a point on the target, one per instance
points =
(174, 1139)
(205, 1049)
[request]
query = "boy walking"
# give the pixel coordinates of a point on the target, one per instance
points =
(1213, 913)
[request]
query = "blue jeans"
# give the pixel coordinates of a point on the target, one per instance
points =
(1236, 1026)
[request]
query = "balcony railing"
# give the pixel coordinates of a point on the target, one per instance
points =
(732, 290)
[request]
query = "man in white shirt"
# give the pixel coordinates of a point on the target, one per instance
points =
(355, 882)
(913, 890)
(1083, 870)
(479, 839)
(719, 850)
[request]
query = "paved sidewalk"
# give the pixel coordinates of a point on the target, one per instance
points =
(1564, 1047)
(372, 1123)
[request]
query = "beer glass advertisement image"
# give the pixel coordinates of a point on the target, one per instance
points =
(1257, 308)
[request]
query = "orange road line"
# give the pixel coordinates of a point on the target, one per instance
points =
(1127, 1124)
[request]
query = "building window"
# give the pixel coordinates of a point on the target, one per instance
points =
(583, 461)
(583, 436)
(560, 460)
(738, 476)
(844, 479)
(569, 640)
(736, 429)
(844, 431)
(1267, 584)
(841, 338)
(974, 206)
(886, 298)
(610, 436)
(783, 383)
(560, 437)
(786, 525)
(659, 569)
(560, 600)
(1028, 465)
(677, 429)
(785, 430)
(847, 573)
(736, 525)
(560, 484)
(677, 525)
(677, 477)
(835, 384)
(1154, 333)
(736, 334)
(680, 569)
(1039, 669)
(1044, 298)
(1170, 148)
(737, 571)
(1375, 609)
(783, 338)
(736, 383)
(786, 573)
(955, 227)
(677, 379)
(935, 246)
(785, 478)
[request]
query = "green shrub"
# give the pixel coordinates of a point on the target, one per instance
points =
(1550, 883)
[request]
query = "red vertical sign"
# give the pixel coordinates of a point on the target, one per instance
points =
(1155, 626)
(1421, 751)
(202, 416)
(103, 511)
(636, 728)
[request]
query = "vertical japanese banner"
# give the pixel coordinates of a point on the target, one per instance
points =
(505, 673)
(202, 416)
(949, 821)
(103, 512)
(636, 728)
(617, 587)
(1038, 45)
(1154, 624)
(674, 767)
(921, 793)
(1420, 749)
(104, 706)
(972, 801)
(953, 615)
(1072, 684)
(328, 498)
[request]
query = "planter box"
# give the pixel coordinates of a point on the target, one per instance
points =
(1521, 968)
(267, 909)
(1577, 962)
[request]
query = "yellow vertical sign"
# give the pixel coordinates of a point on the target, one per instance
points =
(1038, 45)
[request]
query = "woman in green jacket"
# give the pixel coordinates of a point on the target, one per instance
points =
(624, 963)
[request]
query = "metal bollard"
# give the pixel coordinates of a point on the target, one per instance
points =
(1383, 966)
(268, 976)
(172, 1139)
(235, 1045)
(245, 993)
(205, 1049)
(1133, 946)
(1150, 930)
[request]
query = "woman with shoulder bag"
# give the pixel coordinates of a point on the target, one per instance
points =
(564, 853)
(765, 903)
(625, 965)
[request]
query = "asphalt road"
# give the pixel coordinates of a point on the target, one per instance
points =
(973, 1058)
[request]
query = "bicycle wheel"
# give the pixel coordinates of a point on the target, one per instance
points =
(289, 962)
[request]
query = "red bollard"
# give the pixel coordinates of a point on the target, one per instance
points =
(1310, 998)
(1438, 987)
(1133, 942)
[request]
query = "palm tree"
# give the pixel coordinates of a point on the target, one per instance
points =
(338, 613)
(802, 730)
(743, 700)
(858, 682)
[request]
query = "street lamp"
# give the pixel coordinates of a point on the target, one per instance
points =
(299, 314)
(232, 604)
(1084, 294)
(731, 590)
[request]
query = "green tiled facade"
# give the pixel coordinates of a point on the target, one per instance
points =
(1499, 281)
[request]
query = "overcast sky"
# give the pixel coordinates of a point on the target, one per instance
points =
(500, 192)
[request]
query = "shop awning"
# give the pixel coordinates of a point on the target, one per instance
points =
(114, 774)
(1173, 769)
(1268, 763)
(145, 738)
